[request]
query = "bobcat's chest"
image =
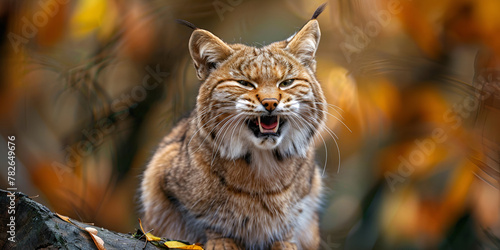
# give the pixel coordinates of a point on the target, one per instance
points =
(263, 206)
(261, 218)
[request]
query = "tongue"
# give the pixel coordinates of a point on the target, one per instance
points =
(269, 126)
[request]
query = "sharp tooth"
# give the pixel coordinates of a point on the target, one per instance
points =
(277, 125)
(260, 126)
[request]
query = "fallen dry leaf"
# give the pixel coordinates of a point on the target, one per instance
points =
(147, 235)
(98, 242)
(151, 237)
(64, 218)
(92, 231)
(180, 245)
(169, 243)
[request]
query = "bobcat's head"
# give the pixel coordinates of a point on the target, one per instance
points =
(259, 98)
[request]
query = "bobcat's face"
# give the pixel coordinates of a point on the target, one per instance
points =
(272, 94)
(259, 98)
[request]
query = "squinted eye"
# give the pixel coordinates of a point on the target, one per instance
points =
(286, 83)
(245, 83)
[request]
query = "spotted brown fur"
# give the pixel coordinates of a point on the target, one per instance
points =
(212, 180)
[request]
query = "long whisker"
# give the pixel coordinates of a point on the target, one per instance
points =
(328, 113)
(218, 142)
(335, 108)
(198, 130)
(329, 105)
(315, 120)
(234, 129)
(216, 146)
(328, 130)
(208, 122)
(208, 134)
(303, 121)
(229, 123)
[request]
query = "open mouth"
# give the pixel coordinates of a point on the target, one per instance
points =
(266, 125)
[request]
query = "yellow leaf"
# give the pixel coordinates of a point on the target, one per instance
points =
(180, 245)
(174, 244)
(89, 15)
(196, 247)
(151, 237)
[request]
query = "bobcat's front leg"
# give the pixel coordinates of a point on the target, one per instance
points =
(215, 241)
(283, 245)
(221, 244)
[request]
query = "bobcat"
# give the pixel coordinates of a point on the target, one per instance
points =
(239, 173)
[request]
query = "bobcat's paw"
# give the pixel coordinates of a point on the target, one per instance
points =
(282, 245)
(221, 244)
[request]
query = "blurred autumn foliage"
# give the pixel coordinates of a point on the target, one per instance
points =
(89, 87)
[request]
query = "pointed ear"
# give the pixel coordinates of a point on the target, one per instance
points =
(304, 44)
(207, 51)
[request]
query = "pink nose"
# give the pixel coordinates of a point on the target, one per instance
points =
(270, 103)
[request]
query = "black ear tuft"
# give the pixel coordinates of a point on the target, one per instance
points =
(318, 11)
(186, 23)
